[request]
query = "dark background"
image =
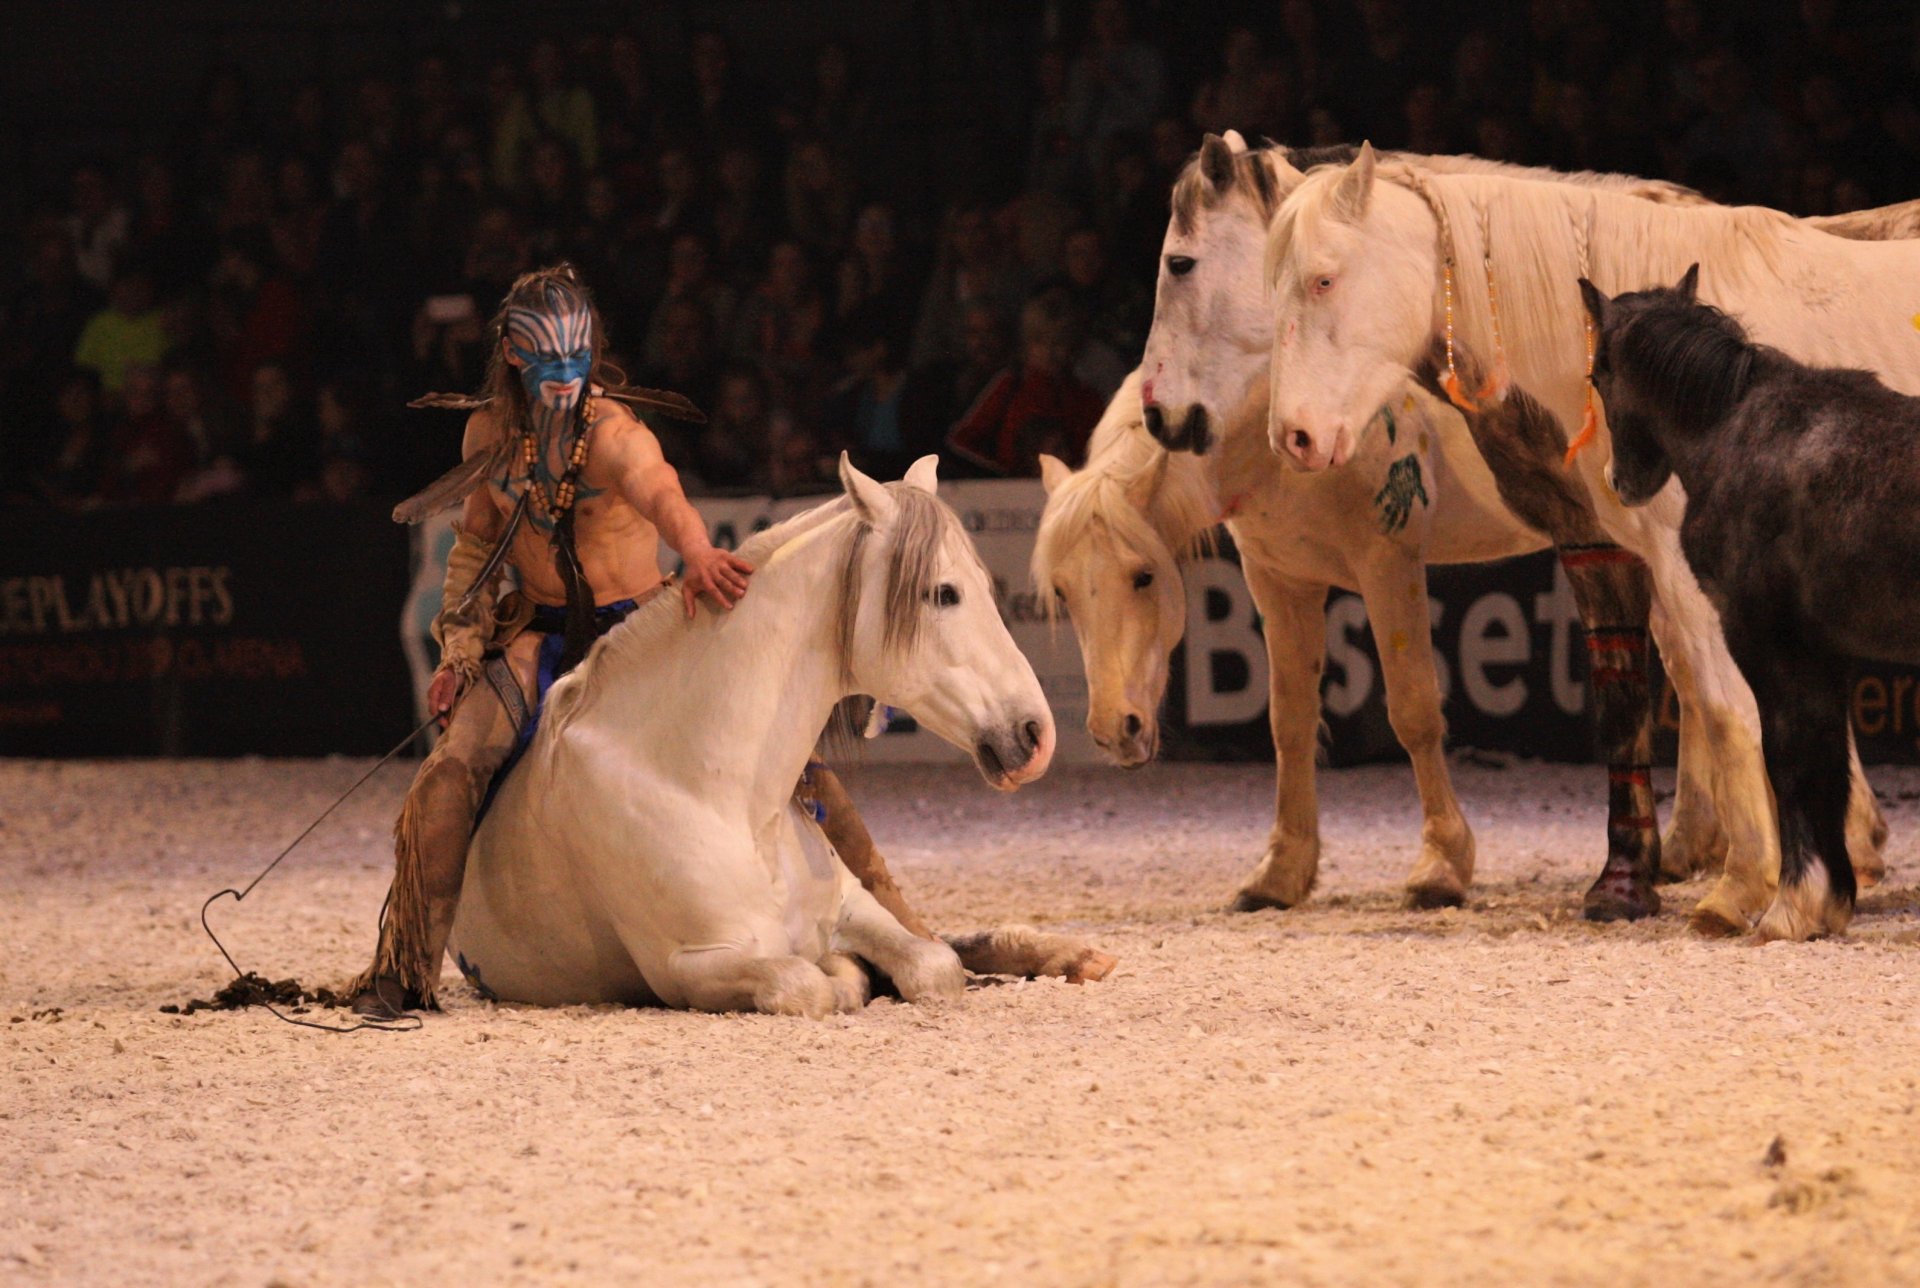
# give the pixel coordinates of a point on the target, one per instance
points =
(230, 232)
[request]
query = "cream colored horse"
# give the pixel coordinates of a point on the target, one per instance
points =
(1356, 256)
(1109, 550)
(648, 849)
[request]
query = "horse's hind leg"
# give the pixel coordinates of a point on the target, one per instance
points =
(1866, 825)
(1802, 693)
(1694, 842)
(1395, 586)
(1296, 632)
(727, 979)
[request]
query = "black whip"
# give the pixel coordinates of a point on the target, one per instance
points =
(406, 1023)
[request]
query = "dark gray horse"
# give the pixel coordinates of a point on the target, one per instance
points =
(1802, 485)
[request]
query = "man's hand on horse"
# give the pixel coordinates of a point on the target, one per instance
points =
(717, 573)
(443, 692)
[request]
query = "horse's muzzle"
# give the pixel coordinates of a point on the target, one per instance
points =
(1189, 434)
(1015, 753)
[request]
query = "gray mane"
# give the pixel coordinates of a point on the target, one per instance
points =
(1690, 357)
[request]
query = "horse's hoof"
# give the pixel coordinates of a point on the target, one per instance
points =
(1868, 875)
(1251, 901)
(1091, 966)
(1715, 923)
(1620, 899)
(1429, 895)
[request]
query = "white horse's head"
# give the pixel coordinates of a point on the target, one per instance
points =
(1354, 267)
(920, 629)
(1212, 330)
(1108, 553)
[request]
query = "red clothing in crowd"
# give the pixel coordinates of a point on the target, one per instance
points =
(1023, 412)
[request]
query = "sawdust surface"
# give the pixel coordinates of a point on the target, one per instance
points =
(1346, 1093)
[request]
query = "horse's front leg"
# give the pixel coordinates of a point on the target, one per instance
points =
(1295, 618)
(1801, 690)
(1394, 584)
(726, 978)
(922, 969)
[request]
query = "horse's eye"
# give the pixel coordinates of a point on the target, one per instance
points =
(1323, 284)
(1179, 265)
(946, 595)
(1142, 579)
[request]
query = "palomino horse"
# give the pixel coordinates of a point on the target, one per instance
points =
(1800, 497)
(1109, 551)
(648, 850)
(1361, 296)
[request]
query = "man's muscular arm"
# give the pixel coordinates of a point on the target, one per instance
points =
(648, 483)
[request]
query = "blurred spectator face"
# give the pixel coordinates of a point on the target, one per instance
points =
(295, 183)
(788, 271)
(873, 232)
(79, 400)
(181, 396)
(1110, 23)
(330, 410)
(132, 294)
(1170, 144)
(1086, 258)
(502, 85)
(1849, 194)
(741, 402)
(710, 61)
(813, 166)
(543, 64)
(549, 166)
(92, 198)
(141, 392)
(343, 479)
(1723, 82)
(497, 252)
(1299, 21)
(687, 260)
(1241, 55)
(983, 338)
(376, 102)
(431, 83)
(1423, 108)
(623, 59)
(52, 261)
(356, 173)
(1475, 60)
(1574, 111)
(602, 199)
(1323, 128)
(972, 237)
(309, 109)
(833, 71)
(1499, 139)
(739, 171)
(272, 394)
(677, 178)
(683, 334)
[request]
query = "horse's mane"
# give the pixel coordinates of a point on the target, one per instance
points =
(1254, 177)
(922, 523)
(1690, 359)
(1546, 236)
(1142, 493)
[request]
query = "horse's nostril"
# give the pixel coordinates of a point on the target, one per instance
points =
(1132, 726)
(1032, 731)
(1156, 420)
(1300, 441)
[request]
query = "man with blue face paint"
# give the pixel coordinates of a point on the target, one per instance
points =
(564, 483)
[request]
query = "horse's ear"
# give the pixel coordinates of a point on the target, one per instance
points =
(1053, 472)
(1596, 302)
(1355, 189)
(1235, 140)
(1216, 161)
(869, 498)
(925, 473)
(1689, 285)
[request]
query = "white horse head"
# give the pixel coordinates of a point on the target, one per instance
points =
(1354, 270)
(920, 629)
(1108, 553)
(1212, 322)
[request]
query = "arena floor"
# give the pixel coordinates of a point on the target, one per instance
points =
(1348, 1093)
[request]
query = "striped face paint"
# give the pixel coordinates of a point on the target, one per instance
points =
(556, 346)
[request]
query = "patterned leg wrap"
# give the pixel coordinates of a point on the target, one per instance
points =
(1613, 589)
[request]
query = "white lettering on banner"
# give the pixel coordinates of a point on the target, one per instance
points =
(1559, 610)
(1346, 694)
(1210, 637)
(1481, 646)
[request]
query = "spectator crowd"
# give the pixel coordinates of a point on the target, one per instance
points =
(243, 303)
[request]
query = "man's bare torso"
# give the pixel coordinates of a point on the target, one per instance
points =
(619, 549)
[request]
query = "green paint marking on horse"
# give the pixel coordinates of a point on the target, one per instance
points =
(1393, 430)
(1396, 496)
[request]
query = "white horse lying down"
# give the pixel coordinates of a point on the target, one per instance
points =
(1109, 549)
(647, 850)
